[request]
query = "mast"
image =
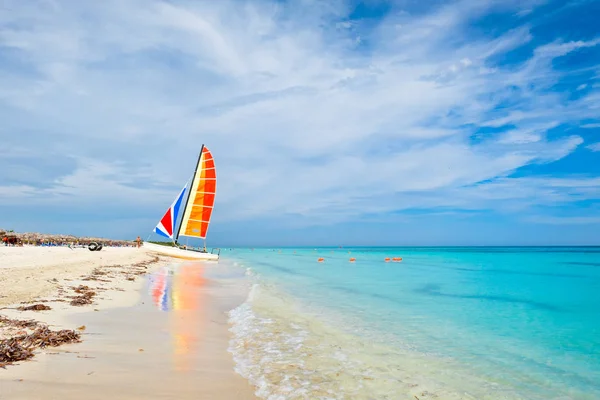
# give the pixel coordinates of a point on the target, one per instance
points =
(190, 191)
(175, 222)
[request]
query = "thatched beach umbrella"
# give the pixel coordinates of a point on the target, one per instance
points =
(62, 239)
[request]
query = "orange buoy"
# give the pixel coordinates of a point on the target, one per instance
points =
(387, 259)
(397, 259)
(352, 259)
(321, 259)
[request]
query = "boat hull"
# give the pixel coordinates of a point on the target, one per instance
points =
(179, 253)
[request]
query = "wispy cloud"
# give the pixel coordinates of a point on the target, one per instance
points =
(594, 146)
(565, 220)
(303, 118)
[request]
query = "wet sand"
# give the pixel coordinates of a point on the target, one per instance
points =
(170, 343)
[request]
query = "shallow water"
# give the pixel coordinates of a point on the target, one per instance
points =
(450, 323)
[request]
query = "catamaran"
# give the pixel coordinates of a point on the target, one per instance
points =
(197, 212)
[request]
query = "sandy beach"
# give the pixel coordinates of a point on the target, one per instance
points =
(28, 273)
(131, 346)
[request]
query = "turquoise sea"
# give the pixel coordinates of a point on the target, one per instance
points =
(444, 323)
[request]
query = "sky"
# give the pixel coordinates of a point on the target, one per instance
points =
(332, 122)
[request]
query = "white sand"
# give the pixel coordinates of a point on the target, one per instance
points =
(26, 273)
(108, 362)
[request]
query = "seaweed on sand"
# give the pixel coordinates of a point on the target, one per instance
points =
(35, 307)
(98, 272)
(81, 289)
(17, 323)
(19, 348)
(85, 296)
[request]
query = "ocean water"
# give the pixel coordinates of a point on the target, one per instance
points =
(444, 323)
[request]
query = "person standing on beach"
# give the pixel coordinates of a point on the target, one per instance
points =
(138, 241)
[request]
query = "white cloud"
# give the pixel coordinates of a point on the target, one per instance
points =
(532, 134)
(594, 146)
(299, 119)
(559, 49)
(16, 193)
(583, 220)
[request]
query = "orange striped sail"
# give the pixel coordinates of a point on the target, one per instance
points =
(201, 197)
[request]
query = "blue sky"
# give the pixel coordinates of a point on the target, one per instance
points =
(331, 122)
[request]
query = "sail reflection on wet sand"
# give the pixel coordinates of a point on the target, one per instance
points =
(177, 290)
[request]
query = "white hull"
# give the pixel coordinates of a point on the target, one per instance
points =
(179, 253)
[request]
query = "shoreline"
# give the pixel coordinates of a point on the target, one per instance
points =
(435, 326)
(116, 318)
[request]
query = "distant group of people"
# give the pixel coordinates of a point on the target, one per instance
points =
(11, 240)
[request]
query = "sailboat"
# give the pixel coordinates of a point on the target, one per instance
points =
(196, 213)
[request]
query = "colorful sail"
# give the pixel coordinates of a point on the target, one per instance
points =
(201, 198)
(166, 225)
